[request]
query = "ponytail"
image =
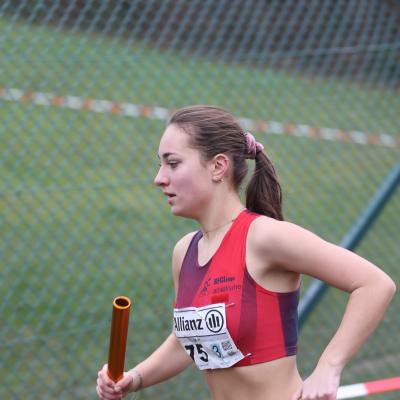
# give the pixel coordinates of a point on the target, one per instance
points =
(263, 192)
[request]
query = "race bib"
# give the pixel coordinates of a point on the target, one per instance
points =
(202, 332)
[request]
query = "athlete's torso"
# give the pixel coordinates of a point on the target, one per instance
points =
(262, 323)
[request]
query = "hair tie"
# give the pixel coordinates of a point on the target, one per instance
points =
(252, 146)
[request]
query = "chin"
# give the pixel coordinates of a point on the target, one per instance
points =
(179, 212)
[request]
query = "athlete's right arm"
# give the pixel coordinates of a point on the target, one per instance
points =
(167, 361)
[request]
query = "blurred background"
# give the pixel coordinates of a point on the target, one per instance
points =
(85, 89)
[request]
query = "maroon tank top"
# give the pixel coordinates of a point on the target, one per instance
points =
(262, 323)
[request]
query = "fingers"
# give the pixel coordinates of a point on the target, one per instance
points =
(315, 396)
(318, 397)
(124, 384)
(104, 376)
(105, 396)
(297, 394)
(105, 388)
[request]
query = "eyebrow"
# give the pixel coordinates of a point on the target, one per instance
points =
(166, 155)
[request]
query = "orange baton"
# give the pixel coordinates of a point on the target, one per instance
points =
(118, 336)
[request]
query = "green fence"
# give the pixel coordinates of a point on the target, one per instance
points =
(85, 88)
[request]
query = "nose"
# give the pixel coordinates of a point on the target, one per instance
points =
(160, 179)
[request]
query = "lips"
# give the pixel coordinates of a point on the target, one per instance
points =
(170, 196)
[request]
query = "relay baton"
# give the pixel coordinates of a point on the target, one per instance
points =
(118, 336)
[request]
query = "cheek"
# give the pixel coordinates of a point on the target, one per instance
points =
(194, 185)
(190, 185)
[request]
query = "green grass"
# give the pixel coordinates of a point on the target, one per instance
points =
(82, 222)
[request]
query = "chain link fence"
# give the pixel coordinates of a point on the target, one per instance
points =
(85, 88)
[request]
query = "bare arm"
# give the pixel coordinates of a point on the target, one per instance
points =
(167, 361)
(170, 358)
(370, 289)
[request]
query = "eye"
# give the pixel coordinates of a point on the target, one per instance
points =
(173, 164)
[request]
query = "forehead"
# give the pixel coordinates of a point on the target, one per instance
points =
(174, 140)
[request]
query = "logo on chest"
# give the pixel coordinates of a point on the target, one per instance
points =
(219, 284)
(210, 321)
(183, 324)
(206, 285)
(214, 321)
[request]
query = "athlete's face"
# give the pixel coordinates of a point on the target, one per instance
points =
(183, 176)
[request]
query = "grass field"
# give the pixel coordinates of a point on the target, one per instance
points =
(82, 222)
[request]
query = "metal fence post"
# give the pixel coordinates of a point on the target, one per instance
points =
(352, 238)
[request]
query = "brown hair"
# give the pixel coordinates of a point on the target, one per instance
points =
(213, 131)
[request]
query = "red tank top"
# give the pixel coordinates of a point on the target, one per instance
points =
(263, 324)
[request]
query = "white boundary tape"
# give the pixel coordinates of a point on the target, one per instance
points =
(160, 113)
(366, 388)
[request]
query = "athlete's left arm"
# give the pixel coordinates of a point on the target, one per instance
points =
(370, 289)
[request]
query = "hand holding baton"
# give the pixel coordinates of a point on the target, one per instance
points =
(118, 337)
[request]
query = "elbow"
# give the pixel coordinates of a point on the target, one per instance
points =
(388, 287)
(382, 285)
(393, 287)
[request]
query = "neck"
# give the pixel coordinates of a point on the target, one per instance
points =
(218, 228)
(218, 221)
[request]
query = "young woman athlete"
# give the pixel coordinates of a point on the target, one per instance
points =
(237, 279)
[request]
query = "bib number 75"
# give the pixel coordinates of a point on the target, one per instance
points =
(201, 353)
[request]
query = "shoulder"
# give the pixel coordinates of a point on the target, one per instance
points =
(269, 228)
(181, 246)
(268, 232)
(179, 252)
(279, 239)
(296, 249)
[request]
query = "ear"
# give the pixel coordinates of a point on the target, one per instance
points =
(219, 167)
